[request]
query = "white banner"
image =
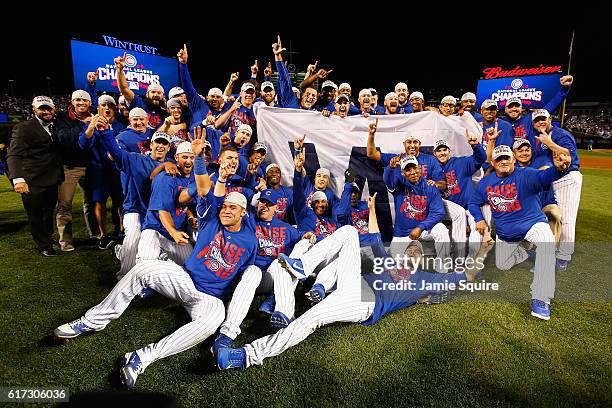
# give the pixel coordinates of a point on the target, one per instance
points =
(335, 139)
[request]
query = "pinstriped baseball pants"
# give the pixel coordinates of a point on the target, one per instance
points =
(172, 281)
(126, 253)
(567, 193)
(152, 243)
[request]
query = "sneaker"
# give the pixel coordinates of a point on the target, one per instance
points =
(316, 294)
(435, 299)
(73, 329)
(131, 368)
(67, 247)
(222, 341)
(540, 309)
(48, 252)
(293, 265)
(146, 293)
(561, 264)
(105, 242)
(163, 256)
(231, 358)
(278, 321)
(268, 305)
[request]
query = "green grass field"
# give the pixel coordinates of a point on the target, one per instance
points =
(475, 351)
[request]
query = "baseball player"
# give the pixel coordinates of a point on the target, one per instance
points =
(286, 97)
(401, 90)
(173, 125)
(357, 298)
(223, 251)
(468, 104)
(136, 137)
(417, 101)
(447, 105)
(419, 209)
(567, 189)
(491, 125)
(135, 170)
(240, 112)
(284, 204)
(164, 225)
(524, 158)
(154, 102)
(514, 197)
(458, 172)
(376, 108)
(521, 123)
(391, 103)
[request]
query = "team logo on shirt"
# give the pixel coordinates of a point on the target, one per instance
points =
(503, 198)
(414, 207)
(452, 185)
(221, 257)
(154, 120)
(360, 220)
(519, 131)
(281, 208)
(270, 241)
(423, 170)
(324, 228)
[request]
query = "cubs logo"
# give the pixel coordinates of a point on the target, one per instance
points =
(270, 241)
(154, 121)
(360, 221)
(414, 207)
(130, 60)
(500, 203)
(452, 185)
(324, 228)
(221, 258)
(516, 83)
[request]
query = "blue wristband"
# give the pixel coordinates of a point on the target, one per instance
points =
(199, 165)
(192, 190)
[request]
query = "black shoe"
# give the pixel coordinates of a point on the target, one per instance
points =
(48, 252)
(105, 242)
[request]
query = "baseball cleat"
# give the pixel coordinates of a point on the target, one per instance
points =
(146, 293)
(131, 368)
(231, 358)
(268, 305)
(435, 299)
(316, 293)
(540, 309)
(293, 265)
(73, 329)
(222, 341)
(105, 242)
(278, 321)
(561, 264)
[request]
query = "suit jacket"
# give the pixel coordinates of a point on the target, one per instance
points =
(33, 155)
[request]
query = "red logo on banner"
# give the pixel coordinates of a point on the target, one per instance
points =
(499, 72)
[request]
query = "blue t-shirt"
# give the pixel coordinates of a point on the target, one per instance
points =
(515, 200)
(219, 255)
(430, 167)
(458, 172)
(564, 139)
(164, 196)
(156, 115)
(274, 237)
(133, 141)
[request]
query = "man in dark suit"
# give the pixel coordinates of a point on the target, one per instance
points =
(35, 169)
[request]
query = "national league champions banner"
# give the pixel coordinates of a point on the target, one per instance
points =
(534, 91)
(338, 144)
(141, 70)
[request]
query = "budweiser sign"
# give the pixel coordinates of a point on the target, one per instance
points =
(499, 72)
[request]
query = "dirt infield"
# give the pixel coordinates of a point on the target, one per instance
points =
(596, 162)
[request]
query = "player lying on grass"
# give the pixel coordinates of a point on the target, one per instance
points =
(224, 250)
(357, 299)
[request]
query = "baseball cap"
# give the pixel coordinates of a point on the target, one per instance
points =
(155, 87)
(39, 101)
(538, 113)
(106, 99)
(267, 84)
(176, 91)
(342, 96)
(408, 161)
(344, 85)
(236, 198)
(318, 195)
(354, 186)
(411, 136)
(122, 100)
(390, 95)
(173, 102)
(246, 128)
(246, 86)
(184, 147)
(365, 91)
(416, 94)
(207, 143)
(329, 84)
(400, 85)
(260, 146)
(160, 135)
(488, 103)
(468, 96)
(138, 113)
(516, 100)
(441, 143)
(501, 150)
(271, 166)
(448, 99)
(519, 141)
(270, 195)
(215, 92)
(80, 94)
(294, 89)
(324, 171)
(373, 91)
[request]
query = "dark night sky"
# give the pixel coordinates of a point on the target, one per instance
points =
(426, 54)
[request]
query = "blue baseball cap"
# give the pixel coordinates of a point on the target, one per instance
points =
(270, 195)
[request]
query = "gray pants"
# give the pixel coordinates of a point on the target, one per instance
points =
(65, 195)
